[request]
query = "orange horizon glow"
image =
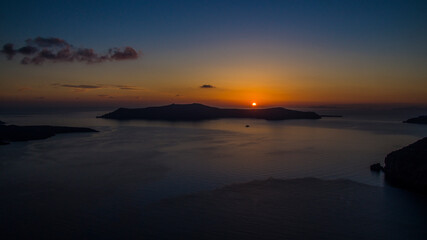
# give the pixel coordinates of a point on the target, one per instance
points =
(272, 80)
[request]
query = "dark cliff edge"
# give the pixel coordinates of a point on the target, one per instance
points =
(417, 120)
(198, 112)
(407, 167)
(13, 133)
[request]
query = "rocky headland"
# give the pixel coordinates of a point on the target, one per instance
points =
(13, 133)
(417, 120)
(407, 167)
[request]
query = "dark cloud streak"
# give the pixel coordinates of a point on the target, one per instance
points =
(99, 86)
(127, 53)
(207, 86)
(28, 50)
(47, 42)
(8, 50)
(128, 88)
(58, 50)
(80, 86)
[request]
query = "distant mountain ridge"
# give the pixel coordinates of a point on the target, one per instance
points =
(198, 112)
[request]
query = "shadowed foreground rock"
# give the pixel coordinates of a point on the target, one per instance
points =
(198, 112)
(407, 167)
(13, 133)
(417, 120)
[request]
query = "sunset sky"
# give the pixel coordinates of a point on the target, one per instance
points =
(221, 53)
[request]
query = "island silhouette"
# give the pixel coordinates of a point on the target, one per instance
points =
(199, 112)
(13, 133)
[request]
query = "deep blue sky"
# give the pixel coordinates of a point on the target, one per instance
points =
(357, 24)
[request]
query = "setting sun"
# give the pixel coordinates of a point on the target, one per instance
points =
(254, 104)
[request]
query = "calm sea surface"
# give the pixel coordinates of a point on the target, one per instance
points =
(130, 164)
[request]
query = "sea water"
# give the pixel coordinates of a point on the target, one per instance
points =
(129, 164)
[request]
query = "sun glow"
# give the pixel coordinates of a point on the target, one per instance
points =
(254, 104)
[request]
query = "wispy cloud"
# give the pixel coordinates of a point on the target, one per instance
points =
(97, 86)
(128, 88)
(40, 50)
(80, 86)
(124, 87)
(105, 96)
(47, 42)
(207, 86)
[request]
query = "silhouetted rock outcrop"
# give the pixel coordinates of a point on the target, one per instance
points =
(197, 112)
(376, 167)
(417, 120)
(12, 133)
(1, 122)
(407, 167)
